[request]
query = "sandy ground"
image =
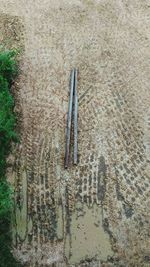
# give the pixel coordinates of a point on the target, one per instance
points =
(95, 214)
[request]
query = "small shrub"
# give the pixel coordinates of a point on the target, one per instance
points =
(5, 199)
(8, 66)
(8, 71)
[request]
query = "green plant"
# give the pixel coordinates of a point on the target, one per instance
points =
(8, 71)
(8, 66)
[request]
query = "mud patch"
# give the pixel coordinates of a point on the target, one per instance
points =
(88, 238)
(41, 256)
(11, 31)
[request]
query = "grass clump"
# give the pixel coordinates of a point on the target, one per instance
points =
(8, 71)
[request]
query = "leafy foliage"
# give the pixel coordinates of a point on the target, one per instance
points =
(8, 71)
(8, 66)
(5, 199)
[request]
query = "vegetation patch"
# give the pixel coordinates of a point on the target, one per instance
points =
(8, 71)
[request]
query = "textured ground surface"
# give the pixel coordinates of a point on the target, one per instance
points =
(95, 214)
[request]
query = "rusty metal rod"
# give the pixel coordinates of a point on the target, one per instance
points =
(75, 118)
(69, 118)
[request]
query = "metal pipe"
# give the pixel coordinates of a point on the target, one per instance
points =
(75, 117)
(69, 118)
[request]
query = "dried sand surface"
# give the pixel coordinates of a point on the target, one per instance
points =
(95, 214)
